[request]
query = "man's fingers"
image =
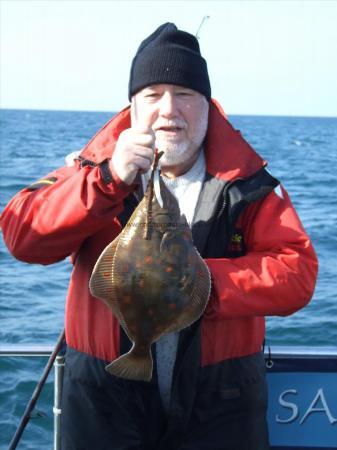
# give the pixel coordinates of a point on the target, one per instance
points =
(139, 129)
(133, 136)
(143, 152)
(145, 139)
(140, 163)
(134, 152)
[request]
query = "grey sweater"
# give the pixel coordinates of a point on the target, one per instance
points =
(186, 189)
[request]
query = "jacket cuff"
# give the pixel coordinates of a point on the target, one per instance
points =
(109, 175)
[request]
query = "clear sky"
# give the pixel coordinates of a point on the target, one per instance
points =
(264, 57)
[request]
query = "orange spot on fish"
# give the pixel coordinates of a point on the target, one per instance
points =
(169, 269)
(127, 300)
(106, 274)
(172, 306)
(148, 259)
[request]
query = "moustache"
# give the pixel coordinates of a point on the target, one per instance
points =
(169, 125)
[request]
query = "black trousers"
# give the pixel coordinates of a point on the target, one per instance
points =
(102, 412)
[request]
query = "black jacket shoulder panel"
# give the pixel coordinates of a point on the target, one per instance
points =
(235, 197)
(245, 191)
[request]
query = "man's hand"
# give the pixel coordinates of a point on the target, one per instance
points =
(134, 153)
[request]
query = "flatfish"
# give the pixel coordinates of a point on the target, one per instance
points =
(151, 277)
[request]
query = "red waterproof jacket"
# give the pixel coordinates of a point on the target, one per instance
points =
(269, 267)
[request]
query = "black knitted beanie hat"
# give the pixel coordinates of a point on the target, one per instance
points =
(169, 56)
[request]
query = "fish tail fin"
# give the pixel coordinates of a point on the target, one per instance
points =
(137, 364)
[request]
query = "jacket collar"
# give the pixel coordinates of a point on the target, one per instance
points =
(228, 155)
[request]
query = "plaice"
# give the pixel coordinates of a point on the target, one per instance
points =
(152, 278)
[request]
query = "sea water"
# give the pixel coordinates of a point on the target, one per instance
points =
(301, 152)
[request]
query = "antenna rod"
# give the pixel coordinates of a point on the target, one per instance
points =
(202, 22)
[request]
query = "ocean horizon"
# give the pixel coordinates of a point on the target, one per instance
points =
(304, 116)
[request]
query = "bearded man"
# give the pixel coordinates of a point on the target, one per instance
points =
(208, 390)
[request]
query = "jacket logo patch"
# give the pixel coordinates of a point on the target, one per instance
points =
(236, 244)
(42, 183)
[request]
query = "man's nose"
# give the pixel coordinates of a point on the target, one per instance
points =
(168, 105)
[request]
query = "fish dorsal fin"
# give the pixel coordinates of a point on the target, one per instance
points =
(101, 283)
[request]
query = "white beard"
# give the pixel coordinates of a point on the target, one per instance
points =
(179, 151)
(174, 152)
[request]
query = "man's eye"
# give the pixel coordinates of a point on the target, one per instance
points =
(151, 95)
(184, 94)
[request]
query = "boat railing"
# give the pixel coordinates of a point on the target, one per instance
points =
(24, 350)
(316, 360)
